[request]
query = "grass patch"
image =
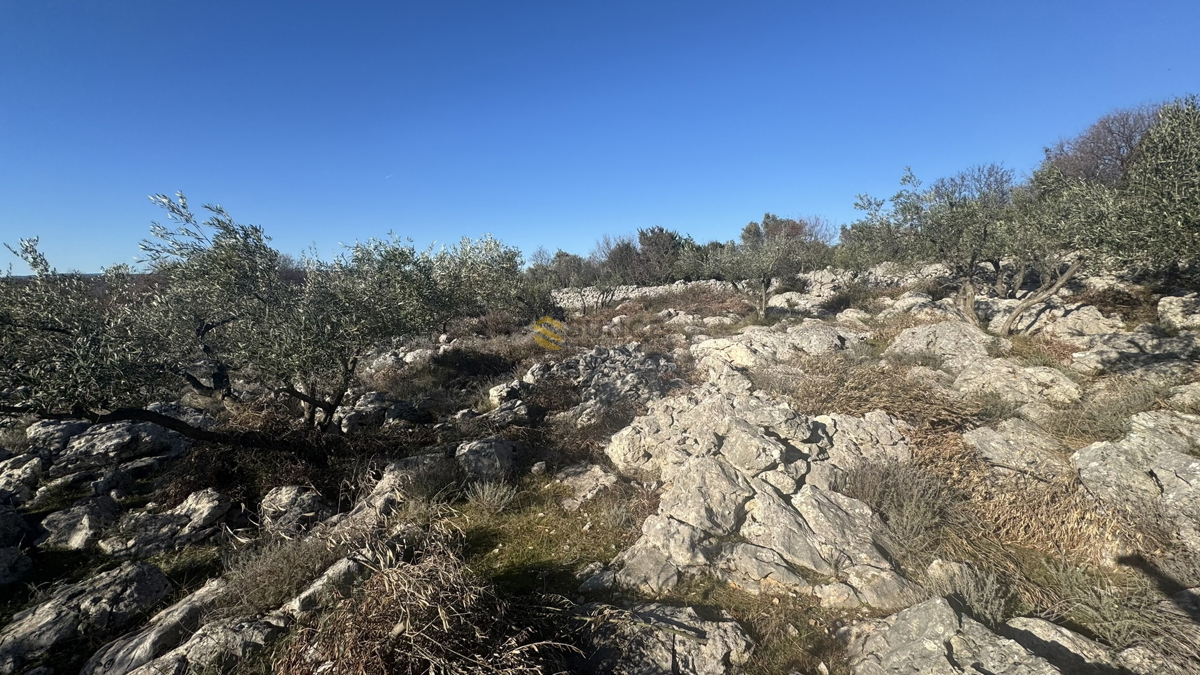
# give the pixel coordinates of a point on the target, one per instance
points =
(430, 614)
(536, 545)
(1041, 350)
(853, 385)
(1105, 413)
(1134, 304)
(791, 634)
(273, 571)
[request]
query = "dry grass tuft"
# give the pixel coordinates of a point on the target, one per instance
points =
(1041, 350)
(1122, 609)
(430, 615)
(791, 634)
(491, 496)
(274, 571)
(853, 386)
(916, 506)
(1050, 517)
(1104, 415)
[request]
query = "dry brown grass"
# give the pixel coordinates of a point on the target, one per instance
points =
(791, 634)
(851, 385)
(262, 578)
(1134, 304)
(430, 614)
(1041, 350)
(1105, 413)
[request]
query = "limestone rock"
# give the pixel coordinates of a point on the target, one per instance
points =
(141, 533)
(104, 446)
(585, 481)
(488, 459)
(1151, 467)
(105, 602)
(1180, 312)
(932, 638)
(1018, 447)
(18, 477)
(956, 343)
(293, 508)
(1015, 383)
(666, 639)
(165, 631)
(1070, 652)
(79, 527)
(50, 437)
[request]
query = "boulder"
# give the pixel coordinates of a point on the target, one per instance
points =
(104, 446)
(50, 437)
(221, 645)
(103, 603)
(79, 527)
(667, 639)
(166, 630)
(142, 534)
(609, 376)
(18, 477)
(1070, 652)
(1019, 447)
(1180, 313)
(955, 343)
(585, 481)
(1017, 384)
(293, 508)
(487, 459)
(933, 638)
(1150, 468)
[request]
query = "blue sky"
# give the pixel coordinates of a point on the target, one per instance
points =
(543, 123)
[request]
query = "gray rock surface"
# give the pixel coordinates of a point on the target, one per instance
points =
(737, 466)
(104, 446)
(756, 346)
(50, 437)
(664, 639)
(609, 376)
(79, 527)
(585, 481)
(141, 533)
(105, 602)
(956, 343)
(19, 477)
(1015, 383)
(1180, 312)
(488, 459)
(932, 638)
(1018, 447)
(293, 508)
(165, 631)
(1070, 652)
(1154, 466)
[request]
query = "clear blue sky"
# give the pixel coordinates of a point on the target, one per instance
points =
(543, 123)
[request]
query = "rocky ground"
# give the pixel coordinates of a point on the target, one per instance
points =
(864, 481)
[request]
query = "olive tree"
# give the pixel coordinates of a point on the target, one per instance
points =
(219, 301)
(775, 249)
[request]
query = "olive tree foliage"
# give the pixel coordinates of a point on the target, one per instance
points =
(71, 344)
(219, 302)
(775, 249)
(958, 221)
(886, 232)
